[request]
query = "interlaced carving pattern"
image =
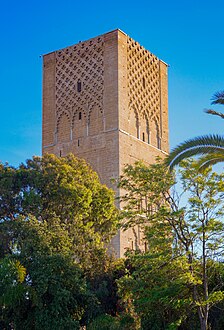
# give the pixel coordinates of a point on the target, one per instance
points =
(143, 65)
(83, 62)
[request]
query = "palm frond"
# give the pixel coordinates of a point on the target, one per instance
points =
(212, 146)
(213, 112)
(209, 160)
(201, 145)
(218, 98)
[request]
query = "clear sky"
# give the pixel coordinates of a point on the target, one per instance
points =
(188, 35)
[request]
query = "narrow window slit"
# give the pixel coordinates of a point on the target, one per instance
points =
(79, 86)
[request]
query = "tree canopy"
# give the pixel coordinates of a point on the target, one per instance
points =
(62, 196)
(185, 244)
(56, 220)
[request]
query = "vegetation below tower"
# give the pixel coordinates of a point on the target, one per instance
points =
(56, 222)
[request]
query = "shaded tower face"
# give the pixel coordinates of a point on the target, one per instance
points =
(105, 100)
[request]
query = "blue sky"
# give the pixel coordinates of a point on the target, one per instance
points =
(188, 35)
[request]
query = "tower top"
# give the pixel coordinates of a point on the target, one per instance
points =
(115, 31)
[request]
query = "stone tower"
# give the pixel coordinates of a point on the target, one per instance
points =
(105, 100)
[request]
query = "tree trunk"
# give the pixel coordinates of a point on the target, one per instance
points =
(203, 317)
(203, 322)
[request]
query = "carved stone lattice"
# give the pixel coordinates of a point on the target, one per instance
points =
(143, 81)
(81, 63)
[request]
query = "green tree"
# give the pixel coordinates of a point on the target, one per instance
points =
(60, 295)
(209, 147)
(56, 220)
(12, 288)
(184, 242)
(54, 294)
(63, 192)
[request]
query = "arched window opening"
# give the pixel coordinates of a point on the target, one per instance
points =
(63, 129)
(155, 138)
(95, 121)
(143, 82)
(79, 128)
(134, 124)
(145, 128)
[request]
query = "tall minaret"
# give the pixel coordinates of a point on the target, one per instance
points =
(105, 100)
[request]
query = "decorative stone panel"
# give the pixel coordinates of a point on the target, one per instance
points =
(143, 74)
(79, 81)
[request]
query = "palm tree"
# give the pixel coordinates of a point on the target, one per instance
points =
(209, 147)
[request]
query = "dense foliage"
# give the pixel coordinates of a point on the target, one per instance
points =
(56, 221)
(173, 284)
